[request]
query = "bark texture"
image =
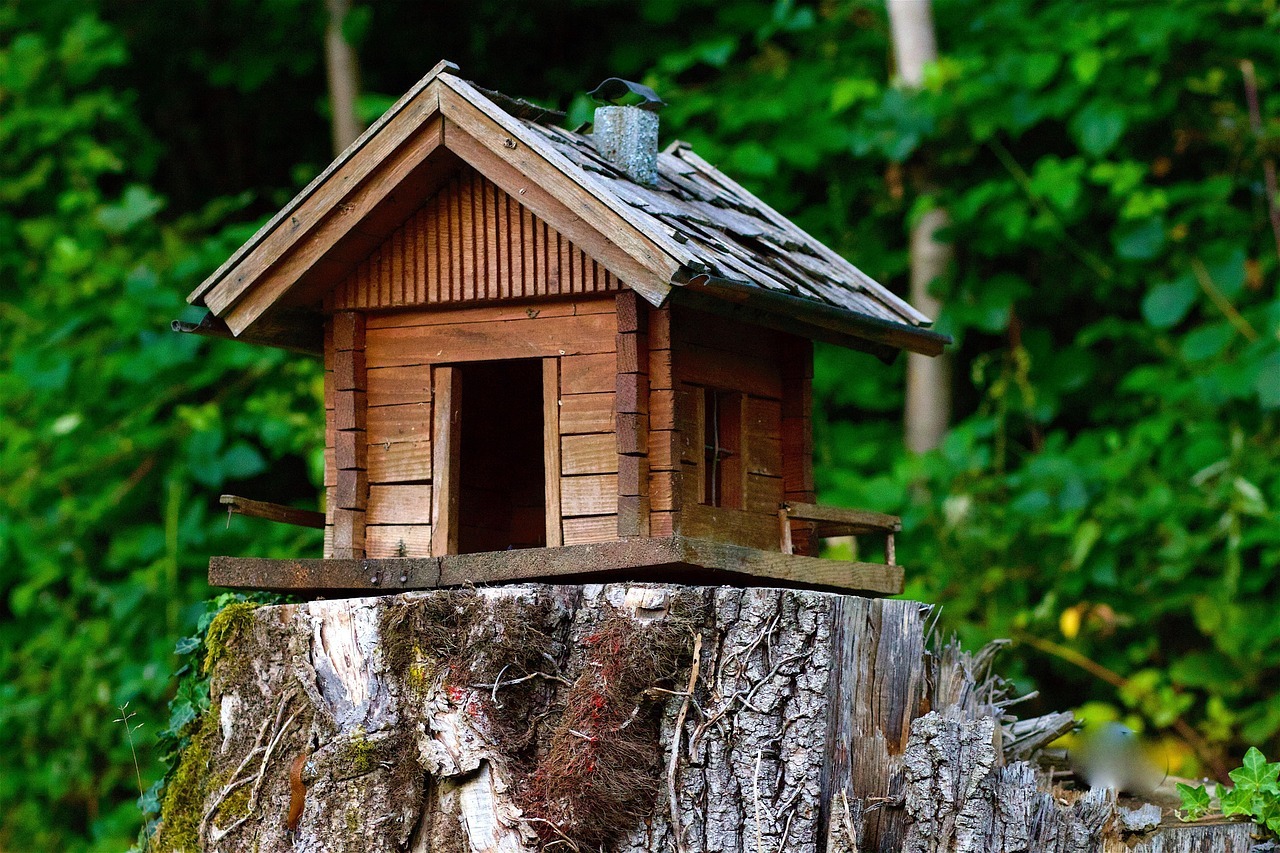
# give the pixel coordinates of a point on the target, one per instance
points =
(561, 718)
(342, 70)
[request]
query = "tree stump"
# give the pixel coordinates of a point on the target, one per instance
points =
(622, 717)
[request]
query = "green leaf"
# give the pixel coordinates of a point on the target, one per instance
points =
(1038, 68)
(1098, 127)
(752, 158)
(1235, 801)
(1058, 181)
(1195, 801)
(1140, 241)
(370, 106)
(1268, 382)
(136, 205)
(1086, 64)
(1255, 774)
(852, 90)
(1226, 269)
(1167, 304)
(1207, 341)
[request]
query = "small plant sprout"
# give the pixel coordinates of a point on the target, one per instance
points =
(126, 717)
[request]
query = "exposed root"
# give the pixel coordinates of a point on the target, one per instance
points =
(601, 768)
(211, 832)
(673, 762)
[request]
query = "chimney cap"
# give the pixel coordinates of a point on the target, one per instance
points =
(615, 90)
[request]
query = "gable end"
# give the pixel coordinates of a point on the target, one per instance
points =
(470, 242)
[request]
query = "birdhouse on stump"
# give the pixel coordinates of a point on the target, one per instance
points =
(553, 354)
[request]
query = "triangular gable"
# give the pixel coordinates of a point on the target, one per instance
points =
(470, 242)
(697, 230)
(346, 213)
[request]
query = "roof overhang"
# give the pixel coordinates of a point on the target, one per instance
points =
(440, 125)
(813, 319)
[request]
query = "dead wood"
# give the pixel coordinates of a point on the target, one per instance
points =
(612, 717)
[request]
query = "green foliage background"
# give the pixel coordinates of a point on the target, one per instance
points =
(1107, 495)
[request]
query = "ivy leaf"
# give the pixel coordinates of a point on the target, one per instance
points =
(1195, 801)
(1255, 774)
(1235, 801)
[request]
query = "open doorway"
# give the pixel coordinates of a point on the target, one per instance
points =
(501, 476)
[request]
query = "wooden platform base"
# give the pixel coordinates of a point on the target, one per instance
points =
(674, 559)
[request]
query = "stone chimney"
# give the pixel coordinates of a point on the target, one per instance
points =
(627, 136)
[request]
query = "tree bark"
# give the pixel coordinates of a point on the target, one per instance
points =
(561, 718)
(928, 401)
(343, 72)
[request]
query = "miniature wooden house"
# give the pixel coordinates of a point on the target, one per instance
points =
(532, 343)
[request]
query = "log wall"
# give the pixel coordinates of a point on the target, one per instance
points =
(763, 366)
(401, 434)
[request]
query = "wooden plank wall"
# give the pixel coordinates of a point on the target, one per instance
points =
(589, 482)
(715, 352)
(580, 336)
(400, 410)
(470, 242)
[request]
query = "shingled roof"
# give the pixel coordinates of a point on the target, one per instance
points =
(734, 235)
(697, 230)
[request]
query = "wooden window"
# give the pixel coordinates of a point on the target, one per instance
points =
(722, 468)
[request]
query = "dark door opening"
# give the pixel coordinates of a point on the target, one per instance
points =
(501, 477)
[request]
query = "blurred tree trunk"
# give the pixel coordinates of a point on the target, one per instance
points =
(343, 72)
(928, 405)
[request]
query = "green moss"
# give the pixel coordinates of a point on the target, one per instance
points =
(353, 821)
(185, 795)
(236, 805)
(227, 627)
(360, 753)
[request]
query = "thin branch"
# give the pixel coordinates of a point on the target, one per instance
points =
(522, 679)
(1023, 180)
(676, 734)
(1221, 302)
(494, 695)
(1268, 164)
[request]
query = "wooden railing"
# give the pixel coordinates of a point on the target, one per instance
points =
(831, 521)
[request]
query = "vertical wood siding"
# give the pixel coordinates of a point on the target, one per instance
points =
(471, 242)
